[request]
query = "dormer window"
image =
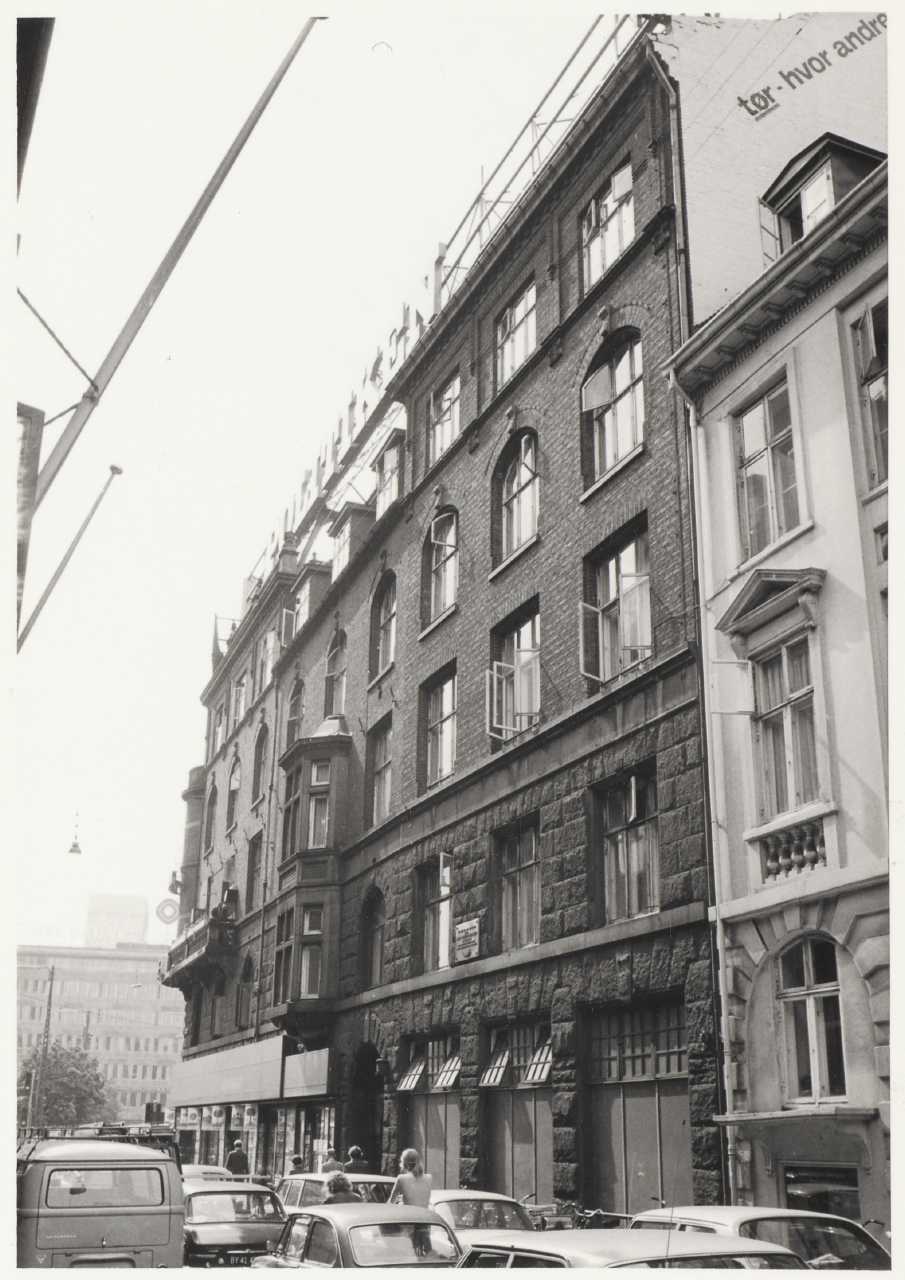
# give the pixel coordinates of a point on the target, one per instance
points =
(810, 204)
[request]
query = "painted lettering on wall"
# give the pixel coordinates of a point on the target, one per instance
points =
(765, 100)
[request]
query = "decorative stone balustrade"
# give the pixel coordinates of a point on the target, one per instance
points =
(795, 851)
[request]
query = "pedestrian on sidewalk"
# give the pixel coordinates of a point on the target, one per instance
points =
(356, 1162)
(331, 1164)
(237, 1160)
(413, 1185)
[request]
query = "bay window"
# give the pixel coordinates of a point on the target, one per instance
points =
(318, 804)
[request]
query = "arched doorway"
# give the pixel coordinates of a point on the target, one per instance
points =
(364, 1108)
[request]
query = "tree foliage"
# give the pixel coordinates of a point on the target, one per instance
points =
(72, 1088)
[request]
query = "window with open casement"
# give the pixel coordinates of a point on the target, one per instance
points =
(629, 875)
(607, 225)
(809, 999)
(615, 630)
(388, 468)
(434, 884)
(513, 693)
(443, 418)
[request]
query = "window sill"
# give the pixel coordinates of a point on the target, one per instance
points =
(791, 818)
(437, 782)
(435, 622)
(613, 471)
(876, 491)
(380, 675)
(513, 556)
(231, 829)
(767, 552)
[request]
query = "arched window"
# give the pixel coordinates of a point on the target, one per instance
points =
(296, 710)
(441, 564)
(244, 992)
(519, 495)
(211, 818)
(383, 625)
(808, 994)
(232, 795)
(612, 405)
(373, 923)
(335, 684)
(260, 762)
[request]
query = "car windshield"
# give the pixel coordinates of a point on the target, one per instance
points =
(750, 1261)
(228, 1206)
(822, 1242)
(484, 1214)
(395, 1244)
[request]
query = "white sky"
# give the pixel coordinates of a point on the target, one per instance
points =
(364, 160)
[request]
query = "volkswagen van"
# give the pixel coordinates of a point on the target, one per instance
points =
(87, 1202)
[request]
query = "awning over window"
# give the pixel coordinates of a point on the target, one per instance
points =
(494, 1074)
(412, 1076)
(449, 1073)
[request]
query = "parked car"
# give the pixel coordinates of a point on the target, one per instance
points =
(468, 1210)
(621, 1247)
(206, 1173)
(229, 1223)
(93, 1202)
(299, 1189)
(822, 1239)
(363, 1235)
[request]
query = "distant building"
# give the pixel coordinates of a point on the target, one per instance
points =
(109, 1001)
(113, 920)
(789, 388)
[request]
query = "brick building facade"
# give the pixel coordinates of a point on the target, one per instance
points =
(465, 777)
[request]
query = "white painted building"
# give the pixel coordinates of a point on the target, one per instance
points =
(787, 388)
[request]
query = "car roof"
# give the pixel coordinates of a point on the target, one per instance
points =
(727, 1215)
(195, 1186)
(461, 1193)
(350, 1214)
(87, 1150)
(331, 1173)
(589, 1247)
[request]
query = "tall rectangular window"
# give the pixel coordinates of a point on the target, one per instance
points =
(607, 225)
(519, 887)
(444, 552)
(627, 814)
(443, 426)
(441, 729)
(282, 958)
(436, 906)
(513, 682)
(784, 726)
(381, 770)
(253, 873)
(872, 345)
(388, 478)
(341, 545)
(318, 804)
(767, 487)
(239, 694)
(292, 801)
(612, 406)
(516, 334)
(219, 729)
(615, 622)
(311, 954)
(519, 495)
(809, 1001)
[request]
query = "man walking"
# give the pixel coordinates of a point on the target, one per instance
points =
(356, 1163)
(331, 1164)
(237, 1160)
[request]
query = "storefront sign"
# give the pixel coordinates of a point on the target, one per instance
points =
(468, 940)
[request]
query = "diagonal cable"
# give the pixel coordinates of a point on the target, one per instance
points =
(34, 311)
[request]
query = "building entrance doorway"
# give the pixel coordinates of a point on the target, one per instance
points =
(364, 1110)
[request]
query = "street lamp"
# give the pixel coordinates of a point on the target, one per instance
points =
(75, 847)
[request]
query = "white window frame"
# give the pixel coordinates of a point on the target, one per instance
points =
(796, 203)
(778, 523)
(787, 709)
(219, 734)
(388, 477)
(337, 663)
(872, 373)
(621, 842)
(444, 571)
(520, 899)
(308, 987)
(382, 773)
(441, 729)
(515, 334)
(607, 225)
(612, 620)
(240, 689)
(520, 497)
(606, 421)
(319, 804)
(437, 905)
(386, 626)
(513, 694)
(444, 418)
(813, 996)
(233, 788)
(297, 704)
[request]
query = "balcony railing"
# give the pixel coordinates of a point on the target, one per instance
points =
(208, 938)
(792, 852)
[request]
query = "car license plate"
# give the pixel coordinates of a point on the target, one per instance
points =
(240, 1260)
